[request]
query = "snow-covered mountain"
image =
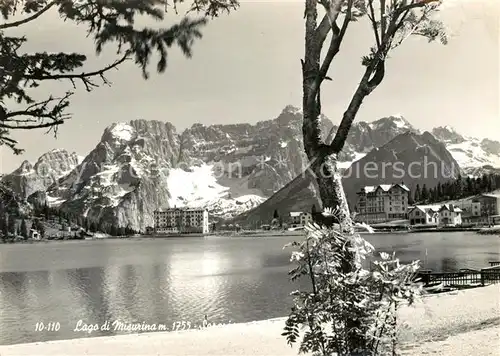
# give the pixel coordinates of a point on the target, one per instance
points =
(474, 155)
(140, 166)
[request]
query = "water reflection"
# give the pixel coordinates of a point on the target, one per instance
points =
(166, 281)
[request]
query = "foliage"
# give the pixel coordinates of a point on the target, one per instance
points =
(93, 226)
(39, 226)
(4, 225)
(108, 22)
(11, 225)
(24, 229)
(458, 188)
(113, 230)
(343, 291)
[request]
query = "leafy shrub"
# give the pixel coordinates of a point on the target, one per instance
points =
(349, 310)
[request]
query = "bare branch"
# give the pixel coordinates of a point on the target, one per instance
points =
(373, 21)
(383, 17)
(335, 43)
(329, 21)
(349, 115)
(29, 18)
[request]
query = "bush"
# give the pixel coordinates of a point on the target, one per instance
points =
(349, 309)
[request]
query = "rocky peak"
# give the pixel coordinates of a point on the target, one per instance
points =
(490, 146)
(57, 162)
(396, 123)
(152, 127)
(26, 167)
(118, 133)
(293, 110)
(49, 167)
(447, 134)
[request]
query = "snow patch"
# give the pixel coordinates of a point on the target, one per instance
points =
(199, 188)
(347, 164)
(193, 188)
(54, 201)
(123, 131)
(106, 175)
(470, 154)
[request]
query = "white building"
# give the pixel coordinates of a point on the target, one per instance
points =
(436, 215)
(181, 220)
(382, 203)
(299, 219)
(424, 215)
(450, 215)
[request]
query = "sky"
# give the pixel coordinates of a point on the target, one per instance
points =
(246, 69)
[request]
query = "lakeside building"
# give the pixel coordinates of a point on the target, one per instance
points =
(299, 219)
(382, 203)
(435, 215)
(181, 220)
(424, 215)
(450, 215)
(469, 207)
(490, 204)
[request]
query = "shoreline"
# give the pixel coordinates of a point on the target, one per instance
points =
(254, 233)
(445, 324)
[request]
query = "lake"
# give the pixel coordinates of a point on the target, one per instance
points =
(173, 280)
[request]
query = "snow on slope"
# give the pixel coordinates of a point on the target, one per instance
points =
(357, 157)
(199, 188)
(470, 154)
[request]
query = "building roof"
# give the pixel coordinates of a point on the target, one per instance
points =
(490, 195)
(427, 209)
(450, 207)
(179, 209)
(385, 187)
(295, 213)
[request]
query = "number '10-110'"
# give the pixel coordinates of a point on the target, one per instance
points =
(47, 327)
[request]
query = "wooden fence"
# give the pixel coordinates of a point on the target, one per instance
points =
(465, 277)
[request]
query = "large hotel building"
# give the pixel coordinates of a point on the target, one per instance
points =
(381, 203)
(181, 220)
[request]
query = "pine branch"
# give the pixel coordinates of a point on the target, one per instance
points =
(30, 18)
(41, 110)
(84, 77)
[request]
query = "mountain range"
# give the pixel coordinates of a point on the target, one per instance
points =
(238, 171)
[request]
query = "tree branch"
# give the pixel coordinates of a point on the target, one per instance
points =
(29, 18)
(364, 88)
(40, 111)
(329, 21)
(84, 77)
(335, 43)
(383, 17)
(414, 5)
(31, 127)
(373, 21)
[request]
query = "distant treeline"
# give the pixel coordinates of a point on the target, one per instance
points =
(456, 189)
